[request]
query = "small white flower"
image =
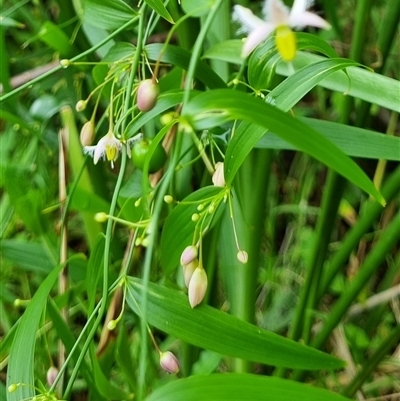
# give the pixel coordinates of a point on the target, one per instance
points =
(277, 17)
(218, 177)
(109, 147)
(197, 286)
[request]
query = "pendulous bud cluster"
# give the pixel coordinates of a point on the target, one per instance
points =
(194, 275)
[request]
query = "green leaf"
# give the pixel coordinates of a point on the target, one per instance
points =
(107, 14)
(353, 141)
(35, 257)
(265, 58)
(240, 387)
(179, 228)
(228, 51)
(179, 57)
(197, 8)
(205, 110)
(9, 22)
(45, 107)
(209, 328)
(21, 362)
(360, 83)
(54, 37)
(293, 88)
(159, 8)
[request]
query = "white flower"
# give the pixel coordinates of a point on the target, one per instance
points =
(218, 177)
(277, 17)
(109, 147)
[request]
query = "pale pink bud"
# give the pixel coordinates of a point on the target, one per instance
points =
(188, 271)
(218, 178)
(189, 254)
(87, 133)
(81, 105)
(51, 375)
(242, 257)
(197, 286)
(147, 95)
(169, 362)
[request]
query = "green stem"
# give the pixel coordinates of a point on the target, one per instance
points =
(249, 203)
(73, 59)
(386, 36)
(386, 345)
(198, 48)
(372, 262)
(107, 247)
(371, 213)
(308, 298)
(147, 266)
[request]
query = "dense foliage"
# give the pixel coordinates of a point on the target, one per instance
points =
(198, 201)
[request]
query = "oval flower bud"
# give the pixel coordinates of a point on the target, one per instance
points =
(242, 257)
(169, 362)
(197, 286)
(51, 375)
(81, 105)
(188, 271)
(87, 133)
(189, 254)
(218, 177)
(147, 95)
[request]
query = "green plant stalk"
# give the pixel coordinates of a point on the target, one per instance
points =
(308, 296)
(371, 213)
(103, 305)
(242, 278)
(389, 279)
(73, 59)
(385, 40)
(147, 266)
(334, 191)
(186, 31)
(198, 48)
(219, 32)
(381, 166)
(377, 255)
(386, 345)
(76, 162)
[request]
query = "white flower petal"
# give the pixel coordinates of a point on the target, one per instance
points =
(246, 18)
(257, 36)
(308, 19)
(276, 12)
(299, 6)
(100, 149)
(89, 150)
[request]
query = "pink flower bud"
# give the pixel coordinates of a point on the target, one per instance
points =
(147, 95)
(87, 133)
(189, 254)
(51, 375)
(218, 178)
(169, 362)
(197, 286)
(188, 271)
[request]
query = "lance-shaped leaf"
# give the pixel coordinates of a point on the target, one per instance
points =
(209, 328)
(218, 106)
